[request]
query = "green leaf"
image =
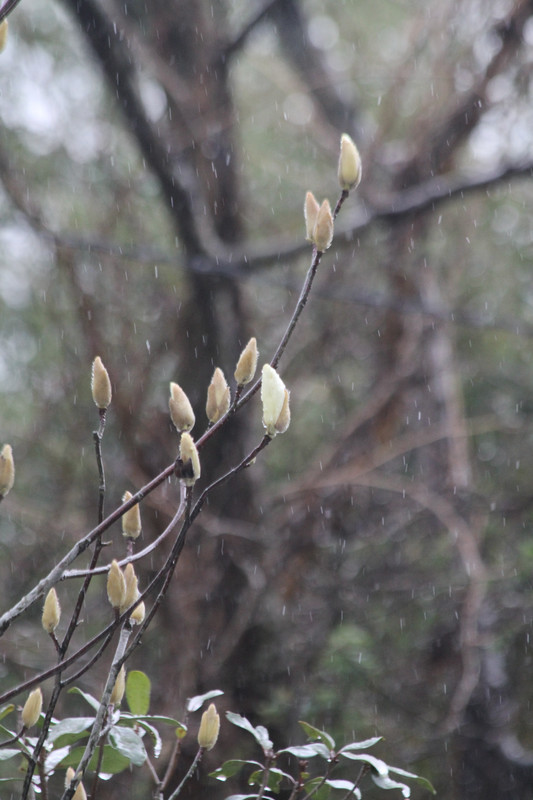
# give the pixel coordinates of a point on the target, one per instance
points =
(138, 692)
(113, 762)
(154, 718)
(7, 753)
(128, 743)
(346, 786)
(274, 779)
(361, 745)
(69, 730)
(308, 751)
(5, 710)
(385, 782)
(314, 733)
(93, 702)
(417, 778)
(381, 768)
(247, 796)
(196, 702)
(230, 768)
(7, 732)
(137, 722)
(260, 733)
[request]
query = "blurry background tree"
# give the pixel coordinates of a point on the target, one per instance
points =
(373, 572)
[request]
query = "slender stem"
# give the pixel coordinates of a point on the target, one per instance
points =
(189, 773)
(101, 714)
(98, 768)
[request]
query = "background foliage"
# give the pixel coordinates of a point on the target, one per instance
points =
(372, 573)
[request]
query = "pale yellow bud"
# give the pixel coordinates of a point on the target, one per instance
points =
(274, 397)
(138, 614)
(247, 363)
(323, 230)
(190, 460)
(209, 728)
(80, 793)
(51, 612)
(132, 592)
(311, 208)
(284, 419)
(100, 384)
(7, 470)
(3, 34)
(32, 708)
(119, 688)
(181, 412)
(116, 585)
(131, 520)
(218, 396)
(350, 169)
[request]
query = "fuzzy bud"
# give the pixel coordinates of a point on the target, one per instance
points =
(284, 419)
(275, 399)
(7, 470)
(132, 592)
(138, 614)
(100, 384)
(116, 585)
(3, 34)
(32, 708)
(51, 612)
(119, 688)
(323, 230)
(218, 396)
(209, 728)
(190, 460)
(181, 412)
(131, 520)
(350, 169)
(311, 209)
(247, 363)
(80, 793)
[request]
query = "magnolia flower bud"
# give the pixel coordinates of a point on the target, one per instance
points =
(311, 208)
(80, 793)
(116, 585)
(275, 399)
(51, 612)
(100, 384)
(247, 363)
(350, 169)
(3, 34)
(218, 396)
(181, 412)
(132, 592)
(190, 460)
(138, 614)
(32, 708)
(131, 520)
(284, 419)
(323, 230)
(7, 470)
(119, 688)
(209, 728)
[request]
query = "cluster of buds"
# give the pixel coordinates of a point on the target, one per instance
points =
(318, 217)
(80, 793)
(123, 591)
